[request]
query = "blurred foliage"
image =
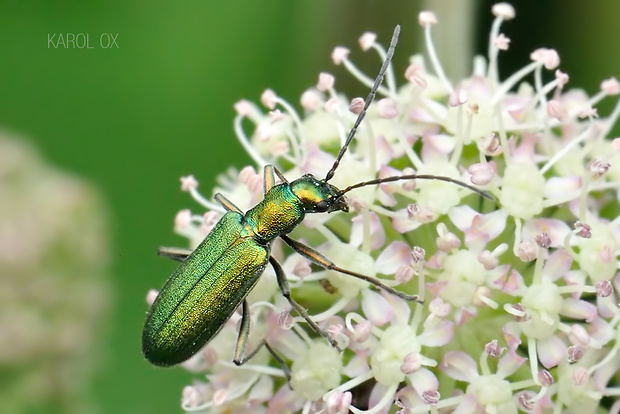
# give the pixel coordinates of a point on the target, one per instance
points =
(54, 284)
(133, 119)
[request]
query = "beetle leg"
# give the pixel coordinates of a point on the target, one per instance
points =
(270, 179)
(320, 260)
(286, 292)
(285, 369)
(175, 253)
(226, 203)
(244, 332)
(280, 176)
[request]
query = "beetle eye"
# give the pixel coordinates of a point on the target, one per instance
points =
(322, 206)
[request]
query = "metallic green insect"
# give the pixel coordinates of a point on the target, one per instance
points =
(213, 281)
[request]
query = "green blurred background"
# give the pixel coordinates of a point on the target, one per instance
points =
(132, 119)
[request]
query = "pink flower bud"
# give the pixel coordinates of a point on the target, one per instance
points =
(604, 288)
(518, 313)
(556, 110)
(583, 230)
(269, 98)
(367, 40)
(588, 112)
(490, 144)
(357, 105)
(545, 378)
(503, 10)
(427, 18)
(188, 183)
(457, 97)
(411, 363)
(310, 100)
(493, 349)
(338, 402)
(210, 218)
(543, 240)
(561, 77)
(526, 402)
(481, 173)
(611, 86)
(339, 55)
(285, 320)
(599, 167)
(548, 57)
(502, 42)
(526, 251)
(326, 82)
(183, 219)
(275, 116)
(574, 354)
(431, 397)
(243, 108)
(331, 106)
(151, 296)
(418, 254)
(487, 259)
(415, 75)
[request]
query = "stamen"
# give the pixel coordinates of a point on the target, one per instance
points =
(567, 148)
(427, 19)
(245, 142)
(298, 139)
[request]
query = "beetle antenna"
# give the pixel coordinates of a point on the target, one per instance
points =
(378, 181)
(369, 99)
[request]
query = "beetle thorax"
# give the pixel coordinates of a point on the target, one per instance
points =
(278, 213)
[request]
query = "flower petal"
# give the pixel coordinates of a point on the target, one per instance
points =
(579, 309)
(376, 308)
(395, 255)
(459, 365)
(423, 380)
(437, 335)
(557, 264)
(509, 363)
(551, 351)
(562, 189)
(512, 335)
(557, 230)
(377, 233)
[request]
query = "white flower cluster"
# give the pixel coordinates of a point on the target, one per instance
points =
(533, 269)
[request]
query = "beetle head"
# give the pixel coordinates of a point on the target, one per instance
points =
(318, 196)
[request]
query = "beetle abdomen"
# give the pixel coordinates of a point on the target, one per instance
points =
(203, 293)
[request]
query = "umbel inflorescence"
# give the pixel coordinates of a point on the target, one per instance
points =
(520, 312)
